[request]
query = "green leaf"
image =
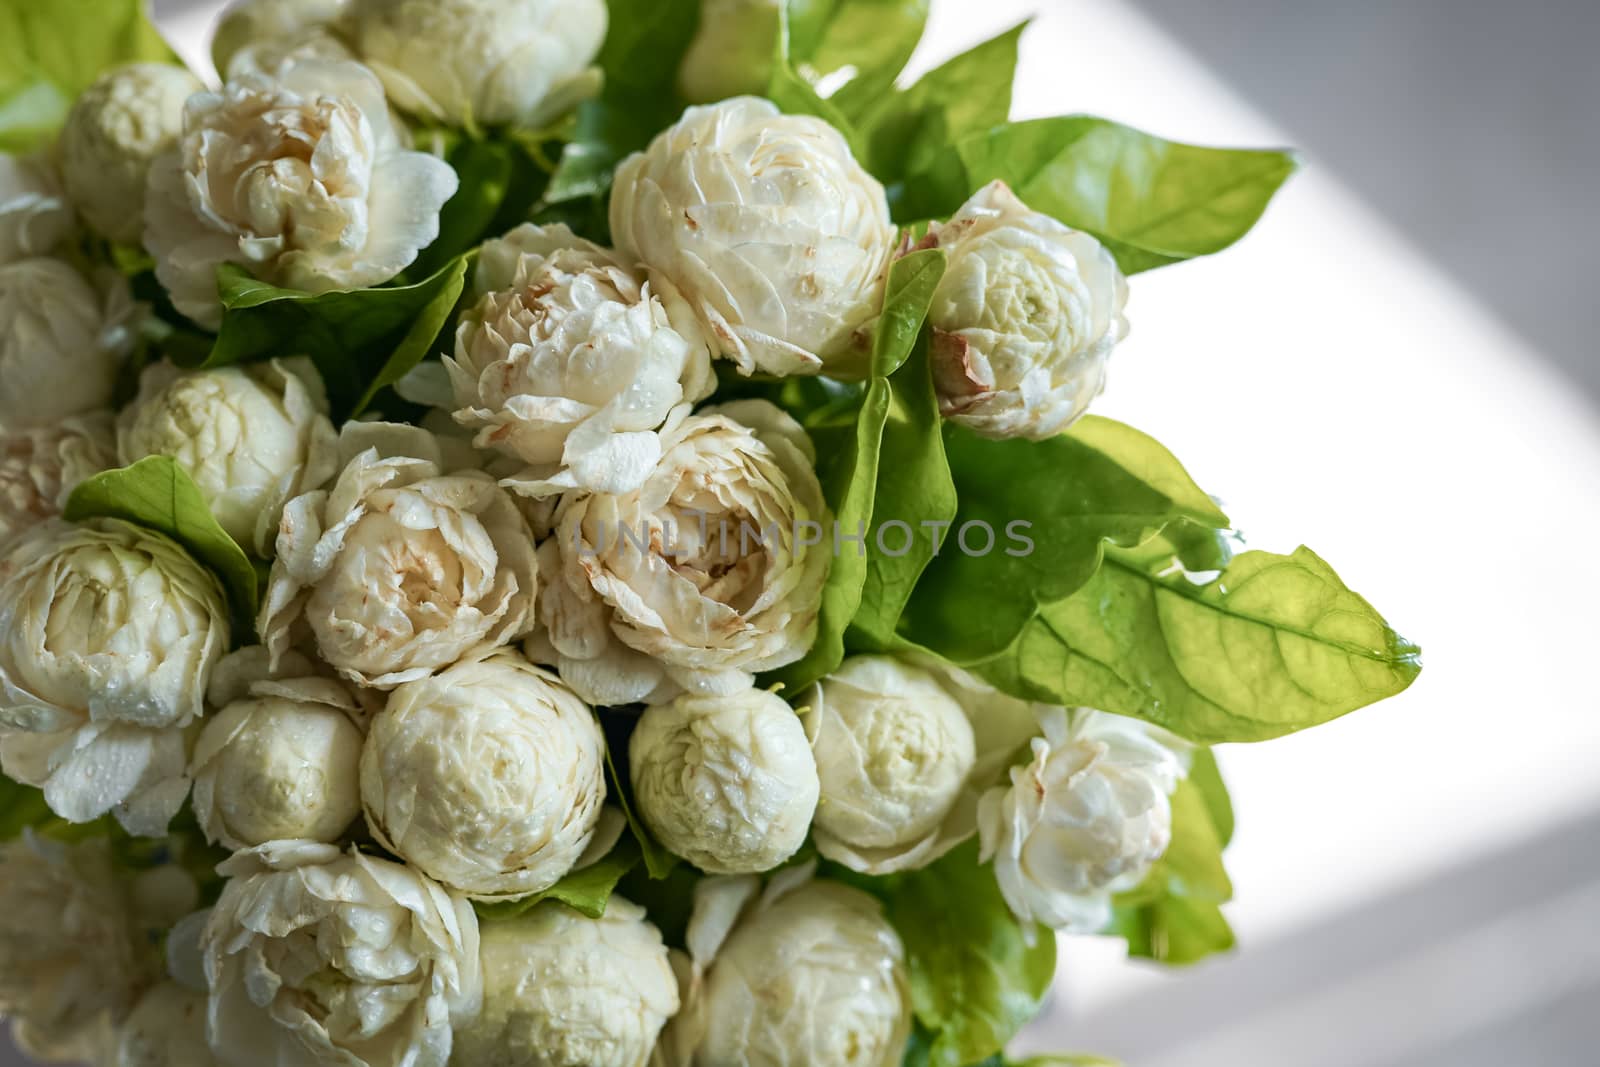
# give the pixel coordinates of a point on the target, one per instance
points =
(914, 488)
(1206, 777)
(587, 891)
(1101, 482)
(969, 94)
(21, 807)
(1192, 865)
(499, 187)
(644, 45)
(866, 43)
(361, 339)
(1065, 1059)
(794, 95)
(1272, 645)
(159, 495)
(669, 900)
(51, 52)
(1174, 930)
(657, 860)
(851, 463)
(975, 980)
(1152, 201)
(1174, 916)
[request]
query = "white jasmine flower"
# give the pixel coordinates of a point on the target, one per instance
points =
(303, 179)
(812, 973)
(35, 216)
(282, 763)
(1085, 819)
(319, 959)
(701, 577)
(39, 468)
(264, 35)
(402, 567)
(167, 1029)
(1025, 318)
(731, 54)
(769, 228)
(107, 635)
(62, 341)
(488, 777)
(904, 750)
(69, 953)
(115, 131)
(726, 782)
(252, 437)
(482, 62)
(571, 363)
(562, 990)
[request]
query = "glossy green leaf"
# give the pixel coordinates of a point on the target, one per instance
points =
(52, 50)
(499, 185)
(159, 495)
(645, 43)
(975, 979)
(914, 489)
(587, 891)
(1206, 777)
(21, 807)
(361, 340)
(1152, 201)
(1175, 915)
(849, 464)
(1174, 930)
(657, 860)
(1068, 497)
(1192, 866)
(967, 95)
(1272, 645)
(794, 95)
(854, 49)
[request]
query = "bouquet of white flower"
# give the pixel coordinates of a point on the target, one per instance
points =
(566, 532)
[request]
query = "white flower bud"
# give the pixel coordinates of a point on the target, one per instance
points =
(319, 959)
(62, 341)
(1085, 819)
(260, 35)
(34, 214)
(400, 568)
(726, 782)
(770, 229)
(251, 437)
(40, 468)
(282, 764)
(1024, 319)
(302, 178)
(166, 1029)
(70, 951)
(893, 751)
(701, 577)
(562, 990)
(107, 635)
(731, 54)
(482, 62)
(812, 974)
(489, 777)
(117, 128)
(570, 363)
